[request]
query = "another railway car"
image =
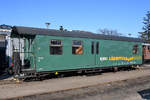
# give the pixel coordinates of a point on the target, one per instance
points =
(2, 53)
(53, 51)
(146, 52)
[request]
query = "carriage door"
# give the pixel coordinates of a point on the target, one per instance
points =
(97, 45)
(95, 52)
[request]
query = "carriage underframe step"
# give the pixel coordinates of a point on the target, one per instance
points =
(28, 70)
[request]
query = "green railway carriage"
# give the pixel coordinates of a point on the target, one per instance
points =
(50, 51)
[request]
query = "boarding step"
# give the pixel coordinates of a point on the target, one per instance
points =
(28, 70)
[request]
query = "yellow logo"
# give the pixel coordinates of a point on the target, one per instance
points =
(125, 58)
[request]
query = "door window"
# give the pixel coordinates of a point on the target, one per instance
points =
(97, 47)
(92, 47)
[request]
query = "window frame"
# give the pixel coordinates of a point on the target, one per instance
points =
(148, 48)
(77, 46)
(135, 49)
(53, 45)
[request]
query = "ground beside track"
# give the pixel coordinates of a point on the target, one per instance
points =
(130, 89)
(70, 83)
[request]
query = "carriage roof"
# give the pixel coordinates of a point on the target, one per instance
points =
(30, 31)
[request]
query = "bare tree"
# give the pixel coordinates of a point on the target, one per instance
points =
(106, 31)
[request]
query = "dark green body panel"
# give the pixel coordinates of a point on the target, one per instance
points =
(43, 61)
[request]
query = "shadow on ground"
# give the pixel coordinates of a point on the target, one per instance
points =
(5, 76)
(145, 94)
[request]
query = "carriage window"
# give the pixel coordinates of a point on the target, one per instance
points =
(55, 47)
(135, 49)
(148, 48)
(92, 47)
(77, 47)
(97, 48)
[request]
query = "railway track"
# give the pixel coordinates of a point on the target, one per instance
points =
(88, 92)
(8, 85)
(6, 79)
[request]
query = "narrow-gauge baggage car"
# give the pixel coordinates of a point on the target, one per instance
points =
(53, 51)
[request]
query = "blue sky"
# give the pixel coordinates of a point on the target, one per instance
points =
(126, 16)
